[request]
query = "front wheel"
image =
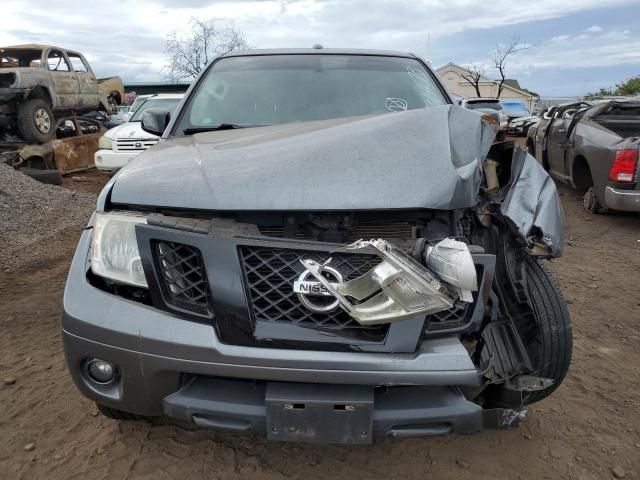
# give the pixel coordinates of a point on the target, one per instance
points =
(591, 203)
(549, 343)
(35, 121)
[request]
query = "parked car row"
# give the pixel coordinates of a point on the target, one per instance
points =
(37, 81)
(123, 143)
(593, 148)
(511, 115)
(49, 96)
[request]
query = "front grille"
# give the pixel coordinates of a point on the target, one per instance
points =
(134, 145)
(365, 231)
(270, 273)
(182, 277)
(456, 317)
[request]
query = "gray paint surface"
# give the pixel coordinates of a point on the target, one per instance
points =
(427, 158)
(532, 203)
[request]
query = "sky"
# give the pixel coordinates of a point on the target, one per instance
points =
(576, 46)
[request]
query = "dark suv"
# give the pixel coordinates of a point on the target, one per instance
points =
(323, 248)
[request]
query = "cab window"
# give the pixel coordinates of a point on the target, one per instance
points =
(56, 62)
(77, 63)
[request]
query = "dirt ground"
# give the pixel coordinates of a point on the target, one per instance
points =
(589, 429)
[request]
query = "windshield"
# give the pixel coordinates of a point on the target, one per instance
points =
(168, 104)
(278, 89)
(137, 102)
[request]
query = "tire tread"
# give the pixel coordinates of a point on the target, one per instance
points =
(554, 322)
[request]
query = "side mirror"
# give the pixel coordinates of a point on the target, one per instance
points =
(155, 121)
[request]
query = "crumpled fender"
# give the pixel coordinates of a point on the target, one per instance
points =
(530, 202)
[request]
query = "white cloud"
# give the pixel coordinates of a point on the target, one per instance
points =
(609, 49)
(131, 42)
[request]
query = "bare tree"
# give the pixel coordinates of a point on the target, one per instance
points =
(188, 56)
(502, 53)
(473, 75)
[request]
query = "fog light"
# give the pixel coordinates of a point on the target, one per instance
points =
(100, 371)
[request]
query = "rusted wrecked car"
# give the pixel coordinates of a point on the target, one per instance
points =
(323, 248)
(38, 81)
(594, 149)
(72, 150)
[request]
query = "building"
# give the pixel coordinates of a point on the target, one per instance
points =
(145, 88)
(451, 75)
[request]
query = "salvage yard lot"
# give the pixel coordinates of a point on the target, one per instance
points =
(589, 429)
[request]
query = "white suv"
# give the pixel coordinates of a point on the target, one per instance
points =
(118, 146)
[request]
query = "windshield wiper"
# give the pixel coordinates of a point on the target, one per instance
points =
(215, 128)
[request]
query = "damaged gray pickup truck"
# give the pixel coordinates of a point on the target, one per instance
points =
(323, 248)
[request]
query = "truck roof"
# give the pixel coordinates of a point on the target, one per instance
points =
(31, 46)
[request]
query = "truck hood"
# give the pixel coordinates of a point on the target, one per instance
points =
(428, 158)
(128, 130)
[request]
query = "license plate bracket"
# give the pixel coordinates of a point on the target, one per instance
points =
(319, 413)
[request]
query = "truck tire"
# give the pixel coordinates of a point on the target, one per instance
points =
(531, 149)
(550, 344)
(590, 202)
(50, 177)
(116, 414)
(35, 121)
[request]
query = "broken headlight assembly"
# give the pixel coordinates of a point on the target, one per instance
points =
(114, 248)
(399, 287)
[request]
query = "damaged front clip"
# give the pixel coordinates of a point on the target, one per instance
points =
(399, 287)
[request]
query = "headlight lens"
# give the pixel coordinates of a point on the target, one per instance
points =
(105, 143)
(114, 248)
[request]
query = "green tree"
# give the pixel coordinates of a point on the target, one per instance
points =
(603, 92)
(630, 86)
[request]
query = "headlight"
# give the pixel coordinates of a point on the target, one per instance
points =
(114, 249)
(105, 143)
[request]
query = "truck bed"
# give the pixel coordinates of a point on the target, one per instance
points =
(622, 118)
(622, 125)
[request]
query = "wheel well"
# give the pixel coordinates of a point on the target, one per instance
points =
(35, 162)
(116, 96)
(42, 93)
(581, 174)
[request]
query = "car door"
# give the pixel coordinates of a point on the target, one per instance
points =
(89, 96)
(69, 148)
(556, 140)
(540, 134)
(65, 80)
(91, 131)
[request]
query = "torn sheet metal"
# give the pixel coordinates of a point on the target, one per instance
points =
(428, 158)
(531, 202)
(396, 289)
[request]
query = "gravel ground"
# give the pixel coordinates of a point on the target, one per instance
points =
(588, 429)
(32, 212)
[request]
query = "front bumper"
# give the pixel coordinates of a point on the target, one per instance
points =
(163, 359)
(625, 200)
(112, 161)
